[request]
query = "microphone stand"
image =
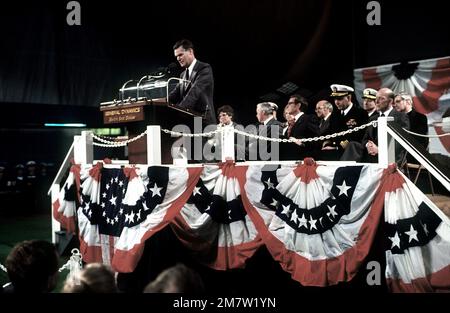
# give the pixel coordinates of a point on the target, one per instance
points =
(122, 90)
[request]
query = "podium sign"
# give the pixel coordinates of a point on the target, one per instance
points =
(129, 113)
(137, 115)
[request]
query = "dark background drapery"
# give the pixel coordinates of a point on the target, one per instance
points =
(52, 72)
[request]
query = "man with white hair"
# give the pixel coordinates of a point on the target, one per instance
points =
(418, 122)
(269, 127)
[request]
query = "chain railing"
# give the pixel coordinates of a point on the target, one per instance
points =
(179, 134)
(114, 144)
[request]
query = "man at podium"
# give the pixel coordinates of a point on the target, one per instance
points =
(195, 92)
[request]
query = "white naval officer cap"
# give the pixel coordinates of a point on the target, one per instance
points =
(369, 93)
(340, 90)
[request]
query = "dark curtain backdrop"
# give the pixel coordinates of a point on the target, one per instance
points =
(253, 46)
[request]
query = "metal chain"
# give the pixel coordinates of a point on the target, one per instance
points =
(110, 144)
(108, 137)
(320, 138)
(114, 144)
(178, 134)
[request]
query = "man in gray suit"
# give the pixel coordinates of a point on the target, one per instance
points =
(195, 94)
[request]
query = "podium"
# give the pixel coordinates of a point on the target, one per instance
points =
(136, 115)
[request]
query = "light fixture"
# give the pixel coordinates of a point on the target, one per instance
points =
(64, 125)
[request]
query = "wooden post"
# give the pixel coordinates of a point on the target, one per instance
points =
(154, 145)
(386, 144)
(56, 226)
(84, 150)
(227, 142)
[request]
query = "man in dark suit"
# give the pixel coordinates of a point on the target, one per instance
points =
(195, 94)
(268, 127)
(304, 126)
(324, 109)
(328, 124)
(418, 122)
(367, 150)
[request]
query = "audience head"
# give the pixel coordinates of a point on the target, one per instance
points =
(93, 278)
(177, 279)
(20, 170)
(32, 266)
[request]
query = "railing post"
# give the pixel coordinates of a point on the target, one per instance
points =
(56, 226)
(386, 144)
(227, 142)
(154, 145)
(84, 149)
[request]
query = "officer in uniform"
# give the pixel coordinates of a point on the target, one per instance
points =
(349, 114)
(369, 97)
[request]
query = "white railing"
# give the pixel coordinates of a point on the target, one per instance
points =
(83, 153)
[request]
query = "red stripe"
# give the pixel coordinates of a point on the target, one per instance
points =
(371, 78)
(76, 170)
(228, 168)
(91, 254)
(306, 171)
(320, 272)
(66, 222)
(56, 205)
(130, 172)
(111, 247)
(95, 171)
(438, 85)
(435, 282)
(391, 178)
(208, 253)
(125, 261)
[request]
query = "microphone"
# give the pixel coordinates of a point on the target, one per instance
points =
(171, 67)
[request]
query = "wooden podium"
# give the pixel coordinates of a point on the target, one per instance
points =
(137, 115)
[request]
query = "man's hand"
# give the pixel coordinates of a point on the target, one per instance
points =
(297, 141)
(372, 148)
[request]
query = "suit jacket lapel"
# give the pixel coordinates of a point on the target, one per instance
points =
(194, 72)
